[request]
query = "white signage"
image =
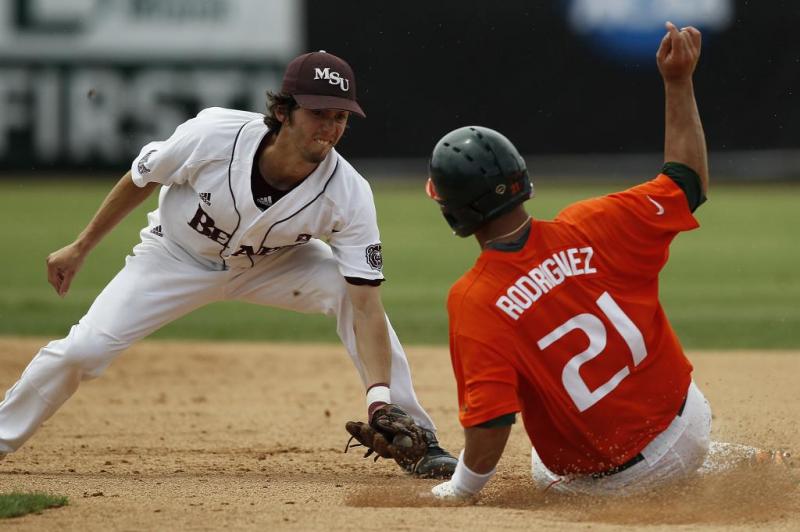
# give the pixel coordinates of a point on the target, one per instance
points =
(633, 15)
(161, 29)
(99, 115)
(90, 81)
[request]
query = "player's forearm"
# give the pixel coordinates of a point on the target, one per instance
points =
(483, 447)
(684, 139)
(374, 349)
(123, 198)
(477, 463)
(372, 335)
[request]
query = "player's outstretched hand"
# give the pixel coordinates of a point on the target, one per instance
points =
(678, 54)
(62, 265)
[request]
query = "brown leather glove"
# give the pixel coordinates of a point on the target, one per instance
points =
(391, 433)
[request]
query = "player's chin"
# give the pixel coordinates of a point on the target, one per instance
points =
(317, 154)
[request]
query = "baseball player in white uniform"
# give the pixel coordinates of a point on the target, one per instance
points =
(252, 208)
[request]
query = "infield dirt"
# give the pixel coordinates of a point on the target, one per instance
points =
(249, 436)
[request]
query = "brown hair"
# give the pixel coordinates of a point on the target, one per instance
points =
(275, 101)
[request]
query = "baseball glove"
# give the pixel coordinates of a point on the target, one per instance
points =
(391, 433)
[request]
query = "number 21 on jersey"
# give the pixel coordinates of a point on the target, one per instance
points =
(594, 329)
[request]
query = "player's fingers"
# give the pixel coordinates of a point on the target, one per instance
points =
(683, 43)
(66, 281)
(53, 276)
(672, 29)
(381, 446)
(695, 37)
(54, 281)
(676, 50)
(664, 48)
(692, 46)
(691, 30)
(681, 48)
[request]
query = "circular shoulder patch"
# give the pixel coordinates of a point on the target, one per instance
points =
(374, 257)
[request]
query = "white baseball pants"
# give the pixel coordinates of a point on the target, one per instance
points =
(155, 288)
(674, 454)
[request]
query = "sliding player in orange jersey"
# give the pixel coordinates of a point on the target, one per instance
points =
(560, 320)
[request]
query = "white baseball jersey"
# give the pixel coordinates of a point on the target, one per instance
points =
(206, 208)
(207, 217)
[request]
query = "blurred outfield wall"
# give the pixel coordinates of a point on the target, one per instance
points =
(84, 83)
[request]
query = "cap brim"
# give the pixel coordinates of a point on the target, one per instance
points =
(316, 101)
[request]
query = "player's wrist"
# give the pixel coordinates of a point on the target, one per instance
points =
(466, 481)
(378, 395)
(679, 85)
(84, 243)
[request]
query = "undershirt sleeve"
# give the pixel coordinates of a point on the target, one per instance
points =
(358, 281)
(500, 421)
(688, 180)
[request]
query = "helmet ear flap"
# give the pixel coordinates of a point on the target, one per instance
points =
(463, 220)
(476, 174)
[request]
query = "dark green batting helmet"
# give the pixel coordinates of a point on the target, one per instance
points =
(476, 175)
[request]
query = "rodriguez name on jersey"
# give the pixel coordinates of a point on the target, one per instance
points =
(550, 273)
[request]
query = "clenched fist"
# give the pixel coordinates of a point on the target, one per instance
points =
(62, 265)
(678, 54)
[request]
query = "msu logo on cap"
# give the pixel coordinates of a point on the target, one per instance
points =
(333, 77)
(319, 80)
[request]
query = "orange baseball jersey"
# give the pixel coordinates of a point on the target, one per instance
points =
(569, 330)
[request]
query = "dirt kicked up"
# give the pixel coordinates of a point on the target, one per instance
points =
(210, 436)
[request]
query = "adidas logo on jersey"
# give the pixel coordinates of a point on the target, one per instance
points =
(157, 231)
(266, 201)
(205, 197)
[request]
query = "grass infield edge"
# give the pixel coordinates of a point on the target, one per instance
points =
(17, 504)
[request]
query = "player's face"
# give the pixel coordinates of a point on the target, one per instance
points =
(314, 132)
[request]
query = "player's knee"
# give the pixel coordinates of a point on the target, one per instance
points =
(85, 349)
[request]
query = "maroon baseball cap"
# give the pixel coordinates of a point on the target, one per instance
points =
(319, 80)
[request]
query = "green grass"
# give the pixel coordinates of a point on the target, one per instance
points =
(732, 284)
(17, 504)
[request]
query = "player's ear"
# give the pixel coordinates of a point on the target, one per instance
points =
(281, 114)
(286, 113)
